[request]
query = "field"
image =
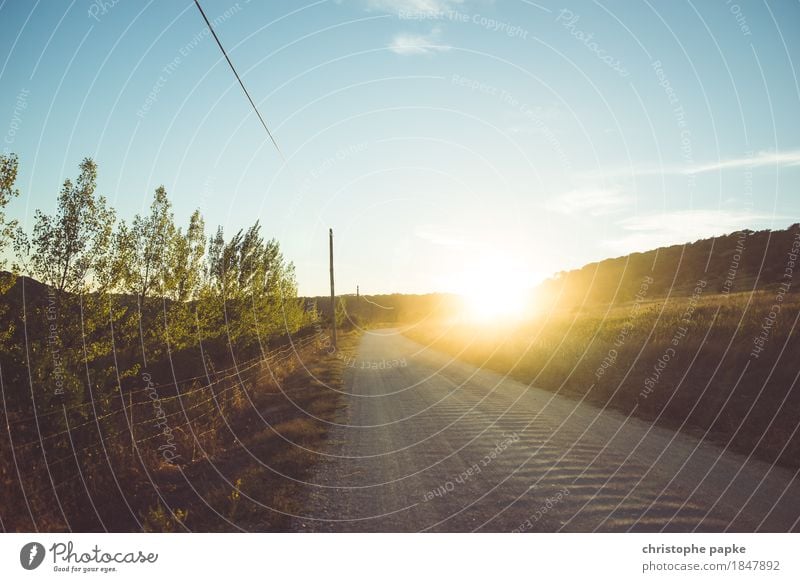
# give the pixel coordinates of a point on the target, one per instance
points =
(193, 444)
(720, 366)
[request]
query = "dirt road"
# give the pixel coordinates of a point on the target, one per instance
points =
(430, 443)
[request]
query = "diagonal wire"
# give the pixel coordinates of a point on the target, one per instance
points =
(238, 78)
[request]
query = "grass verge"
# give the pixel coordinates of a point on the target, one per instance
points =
(721, 367)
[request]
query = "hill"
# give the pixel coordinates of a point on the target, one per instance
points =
(701, 338)
(742, 261)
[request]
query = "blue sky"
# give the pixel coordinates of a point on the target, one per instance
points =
(441, 139)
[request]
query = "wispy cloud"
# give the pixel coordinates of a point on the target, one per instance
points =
(594, 201)
(653, 230)
(417, 44)
(413, 6)
(758, 160)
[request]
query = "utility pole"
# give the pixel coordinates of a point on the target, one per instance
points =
(358, 294)
(333, 294)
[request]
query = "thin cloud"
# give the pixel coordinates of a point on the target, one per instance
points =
(594, 201)
(417, 44)
(649, 231)
(413, 6)
(760, 160)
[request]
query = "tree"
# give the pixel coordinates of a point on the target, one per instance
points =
(286, 312)
(250, 292)
(186, 252)
(223, 264)
(8, 176)
(76, 240)
(213, 259)
(150, 238)
(69, 252)
(184, 279)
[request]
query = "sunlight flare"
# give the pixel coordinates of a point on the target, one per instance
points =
(498, 290)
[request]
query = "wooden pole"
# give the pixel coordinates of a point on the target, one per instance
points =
(333, 294)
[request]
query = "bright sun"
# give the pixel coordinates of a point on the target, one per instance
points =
(497, 291)
(492, 304)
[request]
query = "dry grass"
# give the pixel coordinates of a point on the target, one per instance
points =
(258, 428)
(283, 431)
(711, 386)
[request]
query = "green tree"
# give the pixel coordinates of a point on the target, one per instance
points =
(185, 261)
(69, 252)
(252, 288)
(73, 244)
(184, 279)
(150, 237)
(8, 176)
(114, 270)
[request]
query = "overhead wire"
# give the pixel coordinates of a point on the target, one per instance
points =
(241, 83)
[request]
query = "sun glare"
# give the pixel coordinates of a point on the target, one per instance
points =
(485, 305)
(497, 292)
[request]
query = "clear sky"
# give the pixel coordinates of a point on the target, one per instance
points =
(434, 136)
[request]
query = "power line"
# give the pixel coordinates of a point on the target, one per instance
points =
(238, 78)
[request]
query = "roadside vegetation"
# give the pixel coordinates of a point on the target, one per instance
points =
(674, 336)
(132, 352)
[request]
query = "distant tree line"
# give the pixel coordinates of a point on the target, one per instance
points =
(742, 261)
